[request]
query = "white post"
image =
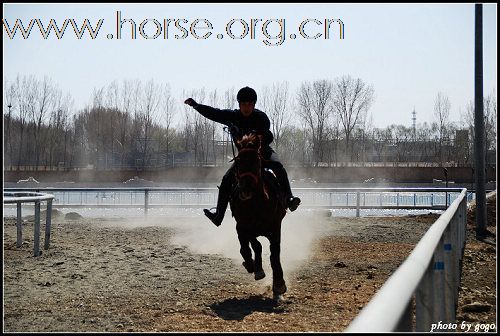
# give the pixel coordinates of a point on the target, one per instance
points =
(19, 241)
(36, 244)
(357, 203)
(48, 220)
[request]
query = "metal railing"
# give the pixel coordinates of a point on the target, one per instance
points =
(329, 198)
(432, 273)
(28, 197)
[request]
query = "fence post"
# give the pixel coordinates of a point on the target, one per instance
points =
(19, 241)
(146, 201)
(48, 220)
(357, 203)
(36, 244)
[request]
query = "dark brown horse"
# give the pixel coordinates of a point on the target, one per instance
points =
(258, 206)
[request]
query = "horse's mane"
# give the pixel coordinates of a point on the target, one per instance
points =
(251, 140)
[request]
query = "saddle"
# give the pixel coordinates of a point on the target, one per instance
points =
(271, 185)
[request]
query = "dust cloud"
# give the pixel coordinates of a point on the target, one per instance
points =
(191, 229)
(299, 231)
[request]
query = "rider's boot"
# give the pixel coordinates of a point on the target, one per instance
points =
(292, 201)
(222, 200)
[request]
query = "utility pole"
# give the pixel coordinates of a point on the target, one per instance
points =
(479, 155)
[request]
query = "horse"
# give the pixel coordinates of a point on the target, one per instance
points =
(258, 206)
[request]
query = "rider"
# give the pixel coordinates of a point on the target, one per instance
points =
(247, 118)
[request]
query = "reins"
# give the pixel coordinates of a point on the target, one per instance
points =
(254, 176)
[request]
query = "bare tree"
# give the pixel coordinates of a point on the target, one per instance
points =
(364, 130)
(10, 96)
(199, 134)
(45, 96)
(314, 101)
(490, 123)
(193, 131)
(212, 127)
(275, 102)
(442, 108)
(149, 106)
(124, 135)
(25, 96)
(490, 116)
(167, 113)
(402, 139)
(351, 100)
(230, 99)
(57, 130)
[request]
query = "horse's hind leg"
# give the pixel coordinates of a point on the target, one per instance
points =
(279, 286)
(246, 253)
(257, 249)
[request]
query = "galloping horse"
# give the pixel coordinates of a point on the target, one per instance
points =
(258, 206)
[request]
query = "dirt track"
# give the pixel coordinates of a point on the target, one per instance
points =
(183, 274)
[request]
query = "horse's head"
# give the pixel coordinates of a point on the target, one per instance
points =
(248, 165)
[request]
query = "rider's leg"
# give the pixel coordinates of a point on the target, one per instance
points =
(223, 198)
(278, 169)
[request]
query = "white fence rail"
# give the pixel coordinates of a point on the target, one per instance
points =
(431, 273)
(329, 198)
(27, 197)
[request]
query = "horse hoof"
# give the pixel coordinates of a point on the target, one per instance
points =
(248, 267)
(278, 298)
(279, 289)
(260, 275)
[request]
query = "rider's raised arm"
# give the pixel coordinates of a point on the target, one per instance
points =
(215, 114)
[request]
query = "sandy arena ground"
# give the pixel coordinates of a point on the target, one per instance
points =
(184, 274)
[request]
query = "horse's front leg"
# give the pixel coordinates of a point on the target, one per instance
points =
(246, 253)
(279, 286)
(257, 250)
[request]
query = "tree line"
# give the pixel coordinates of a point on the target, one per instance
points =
(140, 125)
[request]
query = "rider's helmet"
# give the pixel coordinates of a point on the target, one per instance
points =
(246, 94)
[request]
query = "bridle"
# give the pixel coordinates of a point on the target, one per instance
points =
(251, 174)
(256, 177)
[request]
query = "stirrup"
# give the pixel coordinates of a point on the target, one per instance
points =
(293, 203)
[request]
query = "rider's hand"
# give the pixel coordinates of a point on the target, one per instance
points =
(234, 130)
(190, 102)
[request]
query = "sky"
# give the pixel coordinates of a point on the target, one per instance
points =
(407, 52)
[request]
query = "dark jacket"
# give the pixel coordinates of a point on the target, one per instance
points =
(257, 121)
